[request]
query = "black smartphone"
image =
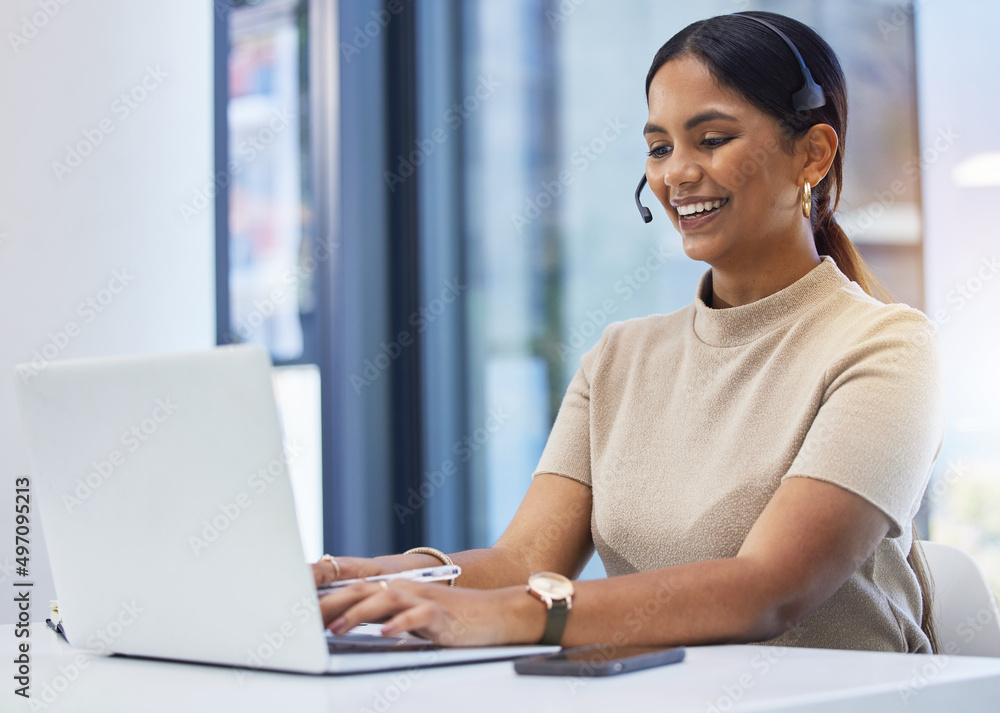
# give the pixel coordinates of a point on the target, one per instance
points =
(598, 660)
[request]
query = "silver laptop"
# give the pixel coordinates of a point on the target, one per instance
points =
(163, 490)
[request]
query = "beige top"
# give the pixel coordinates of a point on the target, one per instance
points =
(685, 424)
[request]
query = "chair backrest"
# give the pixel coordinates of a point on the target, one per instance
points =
(966, 620)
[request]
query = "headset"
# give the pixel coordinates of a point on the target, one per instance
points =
(810, 96)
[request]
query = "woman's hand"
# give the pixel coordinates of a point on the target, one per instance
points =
(325, 571)
(449, 616)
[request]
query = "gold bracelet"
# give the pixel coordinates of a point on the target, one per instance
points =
(445, 559)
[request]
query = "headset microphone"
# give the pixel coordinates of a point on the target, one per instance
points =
(643, 210)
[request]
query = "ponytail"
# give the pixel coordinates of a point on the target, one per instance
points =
(918, 563)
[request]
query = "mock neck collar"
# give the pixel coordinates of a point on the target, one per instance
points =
(734, 326)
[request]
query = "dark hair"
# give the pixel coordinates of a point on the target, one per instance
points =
(754, 61)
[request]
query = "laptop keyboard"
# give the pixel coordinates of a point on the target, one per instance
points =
(373, 644)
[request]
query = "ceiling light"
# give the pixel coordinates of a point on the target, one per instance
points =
(978, 171)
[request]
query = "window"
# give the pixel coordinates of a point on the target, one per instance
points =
(269, 250)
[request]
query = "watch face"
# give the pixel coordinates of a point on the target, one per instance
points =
(554, 585)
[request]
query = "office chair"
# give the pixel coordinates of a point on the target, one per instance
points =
(965, 610)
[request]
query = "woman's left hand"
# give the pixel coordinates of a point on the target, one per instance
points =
(449, 616)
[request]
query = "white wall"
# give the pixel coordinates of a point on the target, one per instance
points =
(64, 234)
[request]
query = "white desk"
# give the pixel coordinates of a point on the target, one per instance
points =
(713, 678)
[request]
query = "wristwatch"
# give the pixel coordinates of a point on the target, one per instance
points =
(556, 593)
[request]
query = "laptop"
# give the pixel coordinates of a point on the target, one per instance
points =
(162, 486)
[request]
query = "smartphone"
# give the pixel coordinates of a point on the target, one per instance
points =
(598, 660)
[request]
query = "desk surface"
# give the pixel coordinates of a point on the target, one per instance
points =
(712, 679)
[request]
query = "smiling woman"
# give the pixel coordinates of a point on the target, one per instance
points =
(749, 466)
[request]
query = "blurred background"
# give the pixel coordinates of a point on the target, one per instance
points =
(423, 209)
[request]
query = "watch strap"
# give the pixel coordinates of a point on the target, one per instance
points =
(555, 624)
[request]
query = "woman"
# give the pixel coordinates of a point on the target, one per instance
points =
(747, 467)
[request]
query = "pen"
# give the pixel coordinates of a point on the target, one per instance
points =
(426, 574)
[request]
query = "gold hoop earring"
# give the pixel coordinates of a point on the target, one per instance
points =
(807, 200)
